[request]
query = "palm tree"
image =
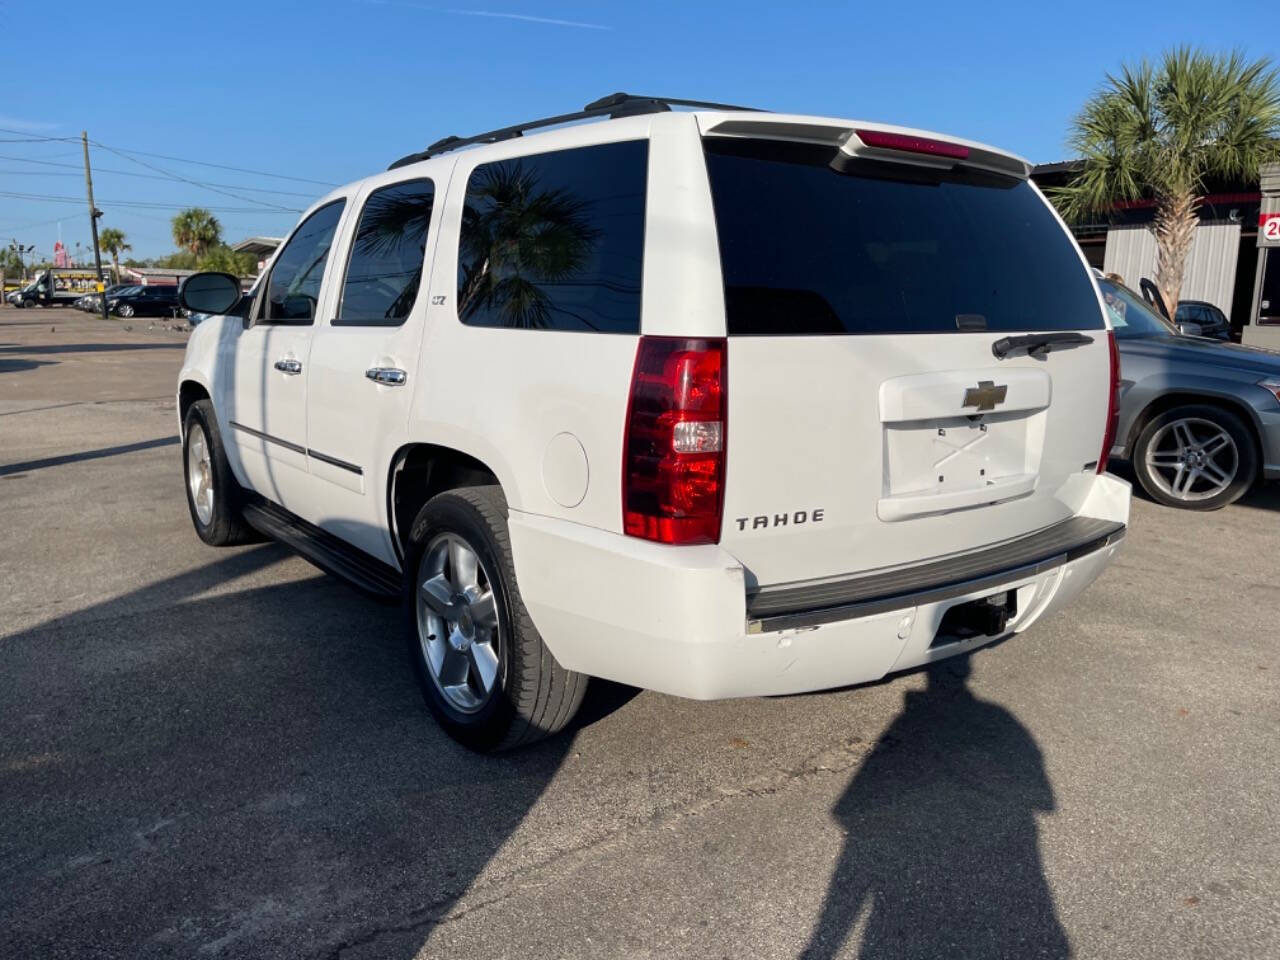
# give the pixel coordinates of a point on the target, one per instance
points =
(1161, 131)
(114, 242)
(196, 230)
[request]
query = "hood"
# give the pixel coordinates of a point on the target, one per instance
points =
(1206, 352)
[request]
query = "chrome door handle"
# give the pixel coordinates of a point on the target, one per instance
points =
(387, 376)
(289, 365)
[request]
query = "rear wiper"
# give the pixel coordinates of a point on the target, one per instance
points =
(1038, 344)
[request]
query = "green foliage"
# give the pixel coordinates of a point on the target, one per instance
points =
(196, 230)
(1161, 130)
(10, 263)
(113, 242)
(225, 260)
(182, 260)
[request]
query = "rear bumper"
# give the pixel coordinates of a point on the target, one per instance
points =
(677, 619)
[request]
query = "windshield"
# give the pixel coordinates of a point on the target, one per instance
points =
(1130, 316)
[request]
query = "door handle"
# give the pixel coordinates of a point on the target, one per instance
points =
(387, 376)
(289, 366)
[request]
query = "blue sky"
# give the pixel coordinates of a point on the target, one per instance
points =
(331, 90)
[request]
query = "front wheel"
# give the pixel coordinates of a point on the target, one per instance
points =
(485, 672)
(125, 310)
(1196, 457)
(213, 496)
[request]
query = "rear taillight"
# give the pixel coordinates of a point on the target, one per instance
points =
(909, 143)
(673, 450)
(1113, 404)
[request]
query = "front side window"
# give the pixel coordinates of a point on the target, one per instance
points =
(293, 289)
(387, 256)
(555, 241)
(807, 250)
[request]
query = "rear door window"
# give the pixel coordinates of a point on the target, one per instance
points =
(555, 241)
(809, 250)
(384, 271)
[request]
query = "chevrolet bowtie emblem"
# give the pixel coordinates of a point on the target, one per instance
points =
(985, 395)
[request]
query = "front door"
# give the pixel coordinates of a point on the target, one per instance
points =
(264, 386)
(361, 362)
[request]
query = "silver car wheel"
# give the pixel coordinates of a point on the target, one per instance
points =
(1192, 459)
(458, 622)
(126, 310)
(200, 473)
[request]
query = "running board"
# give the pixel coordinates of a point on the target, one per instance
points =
(331, 554)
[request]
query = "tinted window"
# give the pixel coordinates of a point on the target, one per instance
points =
(1130, 314)
(808, 250)
(294, 286)
(555, 241)
(385, 268)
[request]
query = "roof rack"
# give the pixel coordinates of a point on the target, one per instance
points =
(613, 106)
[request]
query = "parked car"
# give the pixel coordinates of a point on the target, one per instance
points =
(1213, 323)
(664, 399)
(157, 301)
(1199, 418)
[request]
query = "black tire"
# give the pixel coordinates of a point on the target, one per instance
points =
(533, 696)
(226, 526)
(1246, 456)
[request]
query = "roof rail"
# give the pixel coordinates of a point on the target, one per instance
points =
(613, 106)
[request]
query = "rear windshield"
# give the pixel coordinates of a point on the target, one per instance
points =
(808, 250)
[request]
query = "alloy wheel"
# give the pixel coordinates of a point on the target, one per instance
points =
(200, 473)
(1192, 459)
(458, 622)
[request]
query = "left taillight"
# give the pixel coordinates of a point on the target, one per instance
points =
(674, 447)
(1113, 404)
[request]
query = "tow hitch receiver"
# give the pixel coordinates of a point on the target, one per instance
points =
(984, 617)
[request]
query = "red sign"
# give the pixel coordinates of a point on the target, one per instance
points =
(1269, 226)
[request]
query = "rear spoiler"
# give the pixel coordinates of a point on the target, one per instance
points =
(897, 144)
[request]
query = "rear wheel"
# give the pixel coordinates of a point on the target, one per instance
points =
(213, 496)
(1196, 457)
(485, 673)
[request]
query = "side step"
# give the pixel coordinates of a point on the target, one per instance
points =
(331, 554)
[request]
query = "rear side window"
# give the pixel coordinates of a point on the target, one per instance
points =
(555, 241)
(808, 250)
(387, 256)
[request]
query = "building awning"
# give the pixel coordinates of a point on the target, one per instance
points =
(260, 247)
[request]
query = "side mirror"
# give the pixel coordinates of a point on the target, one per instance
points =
(214, 293)
(1189, 329)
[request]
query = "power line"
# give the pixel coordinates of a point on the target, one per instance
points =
(141, 204)
(194, 183)
(144, 176)
(26, 138)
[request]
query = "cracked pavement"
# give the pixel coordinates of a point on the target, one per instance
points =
(223, 753)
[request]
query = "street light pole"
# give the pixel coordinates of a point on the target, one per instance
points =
(94, 214)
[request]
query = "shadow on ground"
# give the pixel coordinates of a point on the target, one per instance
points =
(248, 774)
(941, 856)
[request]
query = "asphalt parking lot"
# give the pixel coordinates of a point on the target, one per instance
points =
(222, 752)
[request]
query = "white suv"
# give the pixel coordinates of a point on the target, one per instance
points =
(717, 402)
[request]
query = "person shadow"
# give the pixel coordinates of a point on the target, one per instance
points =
(941, 855)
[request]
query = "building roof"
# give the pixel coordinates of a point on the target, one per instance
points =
(258, 245)
(142, 272)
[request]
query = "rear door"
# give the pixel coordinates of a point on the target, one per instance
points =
(870, 422)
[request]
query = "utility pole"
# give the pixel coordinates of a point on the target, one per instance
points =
(94, 214)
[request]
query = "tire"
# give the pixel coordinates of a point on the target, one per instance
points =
(530, 696)
(1216, 451)
(216, 516)
(125, 310)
